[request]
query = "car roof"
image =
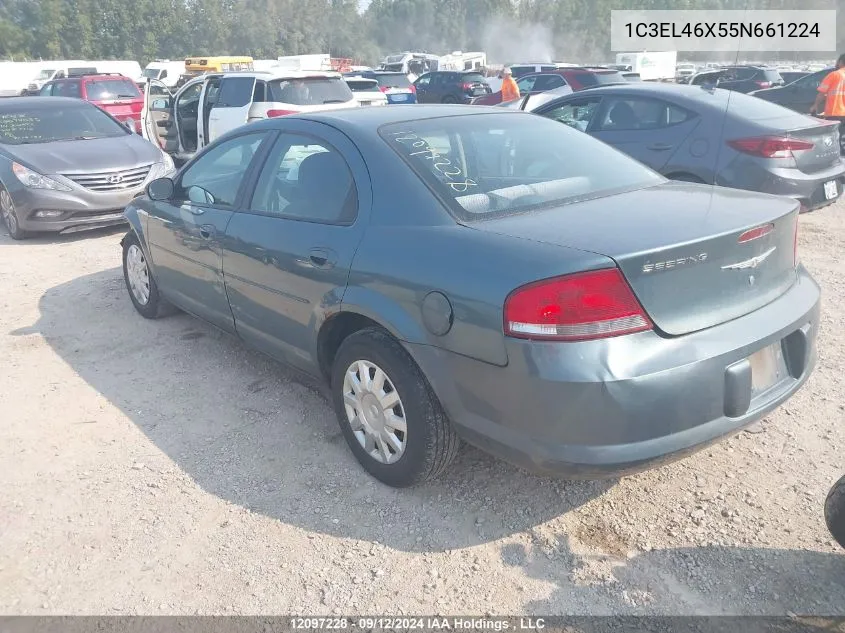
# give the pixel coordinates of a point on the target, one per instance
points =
(91, 76)
(274, 74)
(36, 104)
(678, 92)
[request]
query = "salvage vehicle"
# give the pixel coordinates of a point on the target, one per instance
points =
(116, 94)
(671, 128)
(66, 166)
(209, 106)
(486, 274)
(834, 511)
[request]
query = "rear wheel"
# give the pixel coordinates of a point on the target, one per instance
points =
(388, 413)
(10, 216)
(450, 99)
(834, 511)
(140, 282)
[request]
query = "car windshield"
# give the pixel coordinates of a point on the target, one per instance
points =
(45, 74)
(393, 80)
(152, 73)
(363, 85)
(23, 126)
(105, 89)
(490, 165)
(310, 91)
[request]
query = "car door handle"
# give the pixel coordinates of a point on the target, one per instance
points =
(321, 258)
(207, 231)
(660, 147)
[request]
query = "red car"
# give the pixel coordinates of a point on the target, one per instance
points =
(115, 94)
(576, 78)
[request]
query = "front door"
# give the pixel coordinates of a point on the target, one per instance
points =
(423, 86)
(231, 109)
(158, 124)
(287, 257)
(185, 232)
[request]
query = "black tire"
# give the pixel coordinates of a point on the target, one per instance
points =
(155, 307)
(431, 443)
(9, 215)
(449, 99)
(834, 511)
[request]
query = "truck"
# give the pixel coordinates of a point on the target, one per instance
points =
(166, 71)
(458, 60)
(411, 64)
(657, 66)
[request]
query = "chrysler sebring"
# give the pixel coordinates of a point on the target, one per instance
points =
(456, 272)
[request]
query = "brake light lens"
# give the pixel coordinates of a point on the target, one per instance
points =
(466, 85)
(272, 114)
(764, 84)
(770, 146)
(413, 88)
(756, 233)
(383, 88)
(579, 307)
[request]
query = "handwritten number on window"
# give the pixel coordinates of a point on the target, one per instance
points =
(439, 162)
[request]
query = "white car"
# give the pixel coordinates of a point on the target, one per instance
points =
(366, 91)
(229, 100)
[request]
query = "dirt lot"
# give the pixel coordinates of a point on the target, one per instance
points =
(162, 467)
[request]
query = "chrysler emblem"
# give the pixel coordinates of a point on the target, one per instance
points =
(115, 179)
(750, 263)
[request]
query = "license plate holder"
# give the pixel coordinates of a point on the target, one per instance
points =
(831, 190)
(768, 368)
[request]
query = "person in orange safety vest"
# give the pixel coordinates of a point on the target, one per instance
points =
(510, 91)
(832, 93)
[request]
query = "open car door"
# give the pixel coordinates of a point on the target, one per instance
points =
(230, 109)
(158, 124)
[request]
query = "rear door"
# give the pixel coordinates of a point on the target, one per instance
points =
(649, 130)
(232, 107)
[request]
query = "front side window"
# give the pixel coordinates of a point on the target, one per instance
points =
(424, 81)
(548, 82)
(576, 114)
(526, 84)
(489, 165)
(215, 177)
(306, 179)
(188, 102)
(70, 88)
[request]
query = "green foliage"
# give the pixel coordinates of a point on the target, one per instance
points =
(571, 30)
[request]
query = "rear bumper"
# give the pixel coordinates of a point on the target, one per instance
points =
(613, 407)
(808, 189)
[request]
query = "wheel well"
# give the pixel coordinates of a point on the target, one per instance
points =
(333, 333)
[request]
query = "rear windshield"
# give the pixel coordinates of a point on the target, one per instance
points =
(23, 126)
(491, 165)
(362, 85)
(473, 78)
(595, 79)
(519, 71)
(105, 89)
(310, 91)
(393, 80)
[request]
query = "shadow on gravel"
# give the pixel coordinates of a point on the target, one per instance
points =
(705, 580)
(255, 435)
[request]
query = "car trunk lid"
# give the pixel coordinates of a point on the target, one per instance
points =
(825, 151)
(680, 246)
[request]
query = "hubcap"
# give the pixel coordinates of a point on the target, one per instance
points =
(374, 411)
(8, 211)
(138, 274)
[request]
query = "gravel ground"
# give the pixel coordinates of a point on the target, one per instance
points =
(162, 467)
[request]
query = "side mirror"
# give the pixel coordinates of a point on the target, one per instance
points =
(161, 189)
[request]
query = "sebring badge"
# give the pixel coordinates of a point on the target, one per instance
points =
(669, 264)
(751, 263)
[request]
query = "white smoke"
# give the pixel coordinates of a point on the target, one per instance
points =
(506, 41)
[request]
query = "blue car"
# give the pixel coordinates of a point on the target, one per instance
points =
(396, 86)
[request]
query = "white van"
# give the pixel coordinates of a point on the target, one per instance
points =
(59, 70)
(15, 77)
(127, 68)
(211, 105)
(165, 71)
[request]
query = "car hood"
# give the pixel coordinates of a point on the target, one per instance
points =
(74, 157)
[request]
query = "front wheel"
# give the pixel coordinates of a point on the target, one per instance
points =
(140, 283)
(834, 511)
(10, 216)
(389, 415)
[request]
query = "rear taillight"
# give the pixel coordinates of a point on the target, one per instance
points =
(383, 88)
(764, 84)
(770, 146)
(413, 88)
(272, 114)
(577, 307)
(466, 85)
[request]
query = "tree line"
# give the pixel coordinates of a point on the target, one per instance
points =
(508, 30)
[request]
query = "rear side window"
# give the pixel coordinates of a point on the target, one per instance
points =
(105, 89)
(632, 113)
(473, 78)
(491, 165)
(309, 91)
(549, 82)
(235, 92)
